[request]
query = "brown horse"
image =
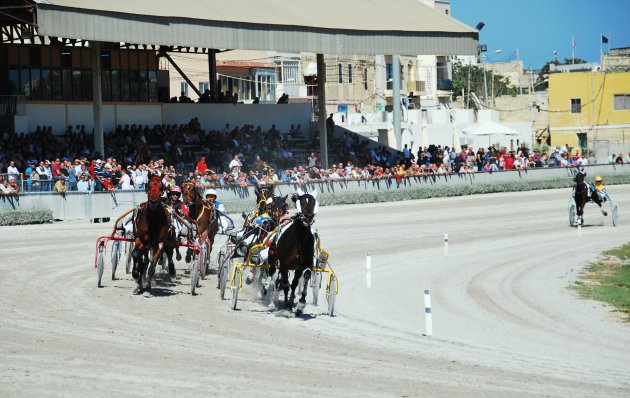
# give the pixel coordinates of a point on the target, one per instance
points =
(152, 227)
(294, 249)
(204, 214)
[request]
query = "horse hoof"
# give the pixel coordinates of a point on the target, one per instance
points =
(135, 275)
(301, 305)
(178, 257)
(285, 314)
(138, 290)
(171, 270)
(188, 258)
(604, 213)
(298, 313)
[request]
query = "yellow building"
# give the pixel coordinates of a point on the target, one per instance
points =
(590, 110)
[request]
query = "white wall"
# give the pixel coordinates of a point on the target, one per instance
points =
(211, 116)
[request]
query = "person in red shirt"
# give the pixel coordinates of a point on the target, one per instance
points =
(509, 161)
(201, 165)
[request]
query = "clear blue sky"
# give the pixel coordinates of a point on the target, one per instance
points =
(538, 27)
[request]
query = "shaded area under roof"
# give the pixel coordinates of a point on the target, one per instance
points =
(324, 26)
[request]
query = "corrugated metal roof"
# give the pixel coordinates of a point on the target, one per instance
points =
(321, 26)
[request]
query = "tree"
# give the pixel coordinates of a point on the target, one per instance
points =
(461, 76)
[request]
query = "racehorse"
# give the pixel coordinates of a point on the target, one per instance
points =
(293, 248)
(151, 226)
(583, 193)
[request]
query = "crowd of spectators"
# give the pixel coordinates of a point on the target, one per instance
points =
(236, 156)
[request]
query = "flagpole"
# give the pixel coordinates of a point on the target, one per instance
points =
(572, 50)
(601, 51)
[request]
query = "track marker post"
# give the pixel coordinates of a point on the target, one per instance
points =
(368, 270)
(428, 320)
(445, 244)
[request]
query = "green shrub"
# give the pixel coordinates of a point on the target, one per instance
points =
(23, 217)
(341, 197)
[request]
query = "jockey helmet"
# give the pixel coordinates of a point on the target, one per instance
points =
(175, 190)
(209, 192)
(598, 179)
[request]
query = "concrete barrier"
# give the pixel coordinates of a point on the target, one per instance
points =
(91, 205)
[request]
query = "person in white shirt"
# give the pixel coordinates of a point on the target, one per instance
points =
(235, 165)
(13, 171)
(125, 180)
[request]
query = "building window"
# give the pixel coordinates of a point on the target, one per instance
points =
(184, 88)
(576, 105)
(203, 86)
(340, 73)
(349, 73)
(389, 76)
(365, 79)
(622, 102)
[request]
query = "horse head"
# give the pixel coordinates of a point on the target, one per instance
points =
(190, 194)
(279, 206)
(307, 205)
(154, 190)
(263, 192)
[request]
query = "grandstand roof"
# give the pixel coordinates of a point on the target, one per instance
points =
(406, 27)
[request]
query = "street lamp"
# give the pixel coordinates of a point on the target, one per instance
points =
(482, 49)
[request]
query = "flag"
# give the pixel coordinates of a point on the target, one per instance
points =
(574, 43)
(604, 39)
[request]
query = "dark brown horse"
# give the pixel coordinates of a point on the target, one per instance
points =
(584, 193)
(152, 227)
(294, 249)
(203, 213)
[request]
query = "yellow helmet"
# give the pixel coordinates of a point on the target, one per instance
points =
(598, 179)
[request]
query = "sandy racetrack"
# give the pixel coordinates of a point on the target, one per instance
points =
(504, 322)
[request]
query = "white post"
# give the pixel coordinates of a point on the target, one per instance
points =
(446, 244)
(427, 313)
(368, 272)
(579, 228)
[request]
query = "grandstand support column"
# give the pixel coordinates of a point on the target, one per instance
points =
(321, 104)
(212, 70)
(97, 98)
(396, 100)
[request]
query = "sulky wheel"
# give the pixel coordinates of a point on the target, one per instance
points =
(129, 258)
(100, 265)
(220, 259)
(223, 277)
(205, 258)
(194, 274)
(237, 285)
(331, 293)
(614, 214)
(572, 215)
(115, 258)
(316, 284)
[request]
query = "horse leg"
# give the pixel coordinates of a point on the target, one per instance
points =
(598, 200)
(294, 283)
(284, 274)
(171, 264)
(306, 276)
(157, 254)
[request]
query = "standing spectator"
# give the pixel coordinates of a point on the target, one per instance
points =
(311, 161)
(42, 176)
(201, 165)
(84, 184)
(13, 171)
(235, 166)
(27, 177)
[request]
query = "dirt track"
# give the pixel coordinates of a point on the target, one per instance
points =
(504, 322)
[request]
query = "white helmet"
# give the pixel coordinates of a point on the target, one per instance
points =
(210, 191)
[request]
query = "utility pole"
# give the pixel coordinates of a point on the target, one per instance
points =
(485, 82)
(468, 102)
(520, 71)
